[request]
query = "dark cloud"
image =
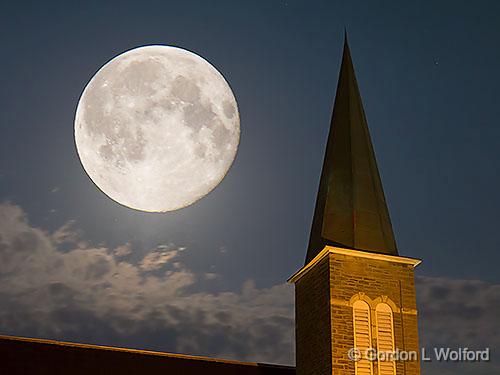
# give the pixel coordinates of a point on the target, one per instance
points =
(459, 314)
(95, 295)
(92, 294)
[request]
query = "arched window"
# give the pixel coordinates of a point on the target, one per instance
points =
(362, 335)
(385, 338)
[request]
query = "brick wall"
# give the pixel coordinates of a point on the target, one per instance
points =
(339, 279)
(312, 321)
(375, 278)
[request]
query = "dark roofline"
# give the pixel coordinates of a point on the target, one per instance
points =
(138, 351)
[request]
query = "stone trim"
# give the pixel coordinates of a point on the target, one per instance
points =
(356, 253)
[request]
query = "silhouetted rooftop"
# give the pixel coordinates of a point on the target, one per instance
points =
(36, 356)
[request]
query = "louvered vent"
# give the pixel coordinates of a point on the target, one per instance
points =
(385, 338)
(362, 336)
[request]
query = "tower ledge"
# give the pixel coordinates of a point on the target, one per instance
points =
(355, 253)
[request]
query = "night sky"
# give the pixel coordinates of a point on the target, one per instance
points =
(208, 279)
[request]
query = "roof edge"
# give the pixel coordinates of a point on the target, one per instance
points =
(136, 351)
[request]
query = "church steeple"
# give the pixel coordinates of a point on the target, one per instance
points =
(351, 211)
(355, 291)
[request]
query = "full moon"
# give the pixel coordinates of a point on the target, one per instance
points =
(157, 128)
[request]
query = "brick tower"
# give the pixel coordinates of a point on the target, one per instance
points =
(354, 290)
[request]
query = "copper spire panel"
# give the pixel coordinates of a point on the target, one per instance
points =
(351, 210)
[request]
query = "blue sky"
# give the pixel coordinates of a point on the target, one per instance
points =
(428, 75)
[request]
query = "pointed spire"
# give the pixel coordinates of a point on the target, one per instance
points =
(351, 211)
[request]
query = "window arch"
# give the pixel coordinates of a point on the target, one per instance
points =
(385, 338)
(362, 335)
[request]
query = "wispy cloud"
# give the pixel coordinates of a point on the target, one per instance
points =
(56, 285)
(91, 294)
(159, 257)
(122, 250)
(65, 234)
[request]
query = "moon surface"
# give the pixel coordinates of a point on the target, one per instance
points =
(157, 128)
